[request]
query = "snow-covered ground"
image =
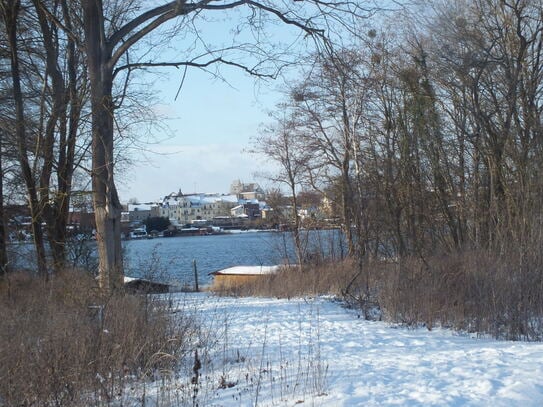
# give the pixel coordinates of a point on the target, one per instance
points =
(269, 352)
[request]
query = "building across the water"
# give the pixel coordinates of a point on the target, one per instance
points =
(247, 191)
(182, 209)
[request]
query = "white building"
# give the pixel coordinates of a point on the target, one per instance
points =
(182, 209)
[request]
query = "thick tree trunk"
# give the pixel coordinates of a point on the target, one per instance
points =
(68, 125)
(107, 207)
(56, 226)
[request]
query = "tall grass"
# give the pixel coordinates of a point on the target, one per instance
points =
(61, 344)
(328, 278)
(477, 291)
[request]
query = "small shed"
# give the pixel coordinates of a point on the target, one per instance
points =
(232, 277)
(143, 286)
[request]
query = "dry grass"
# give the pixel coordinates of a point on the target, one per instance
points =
(472, 291)
(323, 279)
(63, 345)
(498, 295)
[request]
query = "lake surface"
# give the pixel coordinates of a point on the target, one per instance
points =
(171, 259)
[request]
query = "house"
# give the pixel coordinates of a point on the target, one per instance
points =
(248, 210)
(84, 222)
(183, 209)
(247, 191)
(144, 286)
(138, 212)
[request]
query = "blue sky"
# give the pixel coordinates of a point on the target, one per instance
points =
(210, 124)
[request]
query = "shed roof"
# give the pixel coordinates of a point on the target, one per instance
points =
(246, 270)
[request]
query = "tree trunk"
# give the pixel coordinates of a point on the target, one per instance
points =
(347, 206)
(107, 208)
(297, 238)
(3, 251)
(56, 226)
(10, 17)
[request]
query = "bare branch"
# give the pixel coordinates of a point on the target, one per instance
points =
(139, 35)
(282, 16)
(136, 22)
(162, 14)
(250, 71)
(174, 9)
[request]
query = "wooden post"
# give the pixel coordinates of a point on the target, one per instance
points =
(195, 275)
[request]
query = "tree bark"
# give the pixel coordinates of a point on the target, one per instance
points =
(56, 225)
(107, 207)
(296, 218)
(3, 251)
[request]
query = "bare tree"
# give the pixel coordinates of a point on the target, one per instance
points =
(4, 97)
(108, 41)
(281, 144)
(48, 84)
(57, 141)
(3, 238)
(10, 11)
(493, 50)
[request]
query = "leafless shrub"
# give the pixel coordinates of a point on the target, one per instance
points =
(482, 292)
(61, 344)
(471, 291)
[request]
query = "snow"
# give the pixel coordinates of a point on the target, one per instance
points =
(205, 199)
(314, 352)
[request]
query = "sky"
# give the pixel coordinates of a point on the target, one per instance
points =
(206, 137)
(210, 124)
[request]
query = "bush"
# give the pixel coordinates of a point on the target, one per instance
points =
(477, 291)
(471, 291)
(62, 344)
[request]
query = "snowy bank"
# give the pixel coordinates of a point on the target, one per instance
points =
(314, 352)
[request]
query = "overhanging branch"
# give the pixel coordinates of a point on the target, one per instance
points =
(156, 17)
(126, 29)
(218, 60)
(282, 16)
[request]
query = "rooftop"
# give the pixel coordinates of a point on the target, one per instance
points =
(246, 270)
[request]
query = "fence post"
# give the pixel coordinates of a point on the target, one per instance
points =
(195, 275)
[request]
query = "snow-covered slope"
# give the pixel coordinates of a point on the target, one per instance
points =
(314, 352)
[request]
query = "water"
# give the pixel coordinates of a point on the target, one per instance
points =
(170, 259)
